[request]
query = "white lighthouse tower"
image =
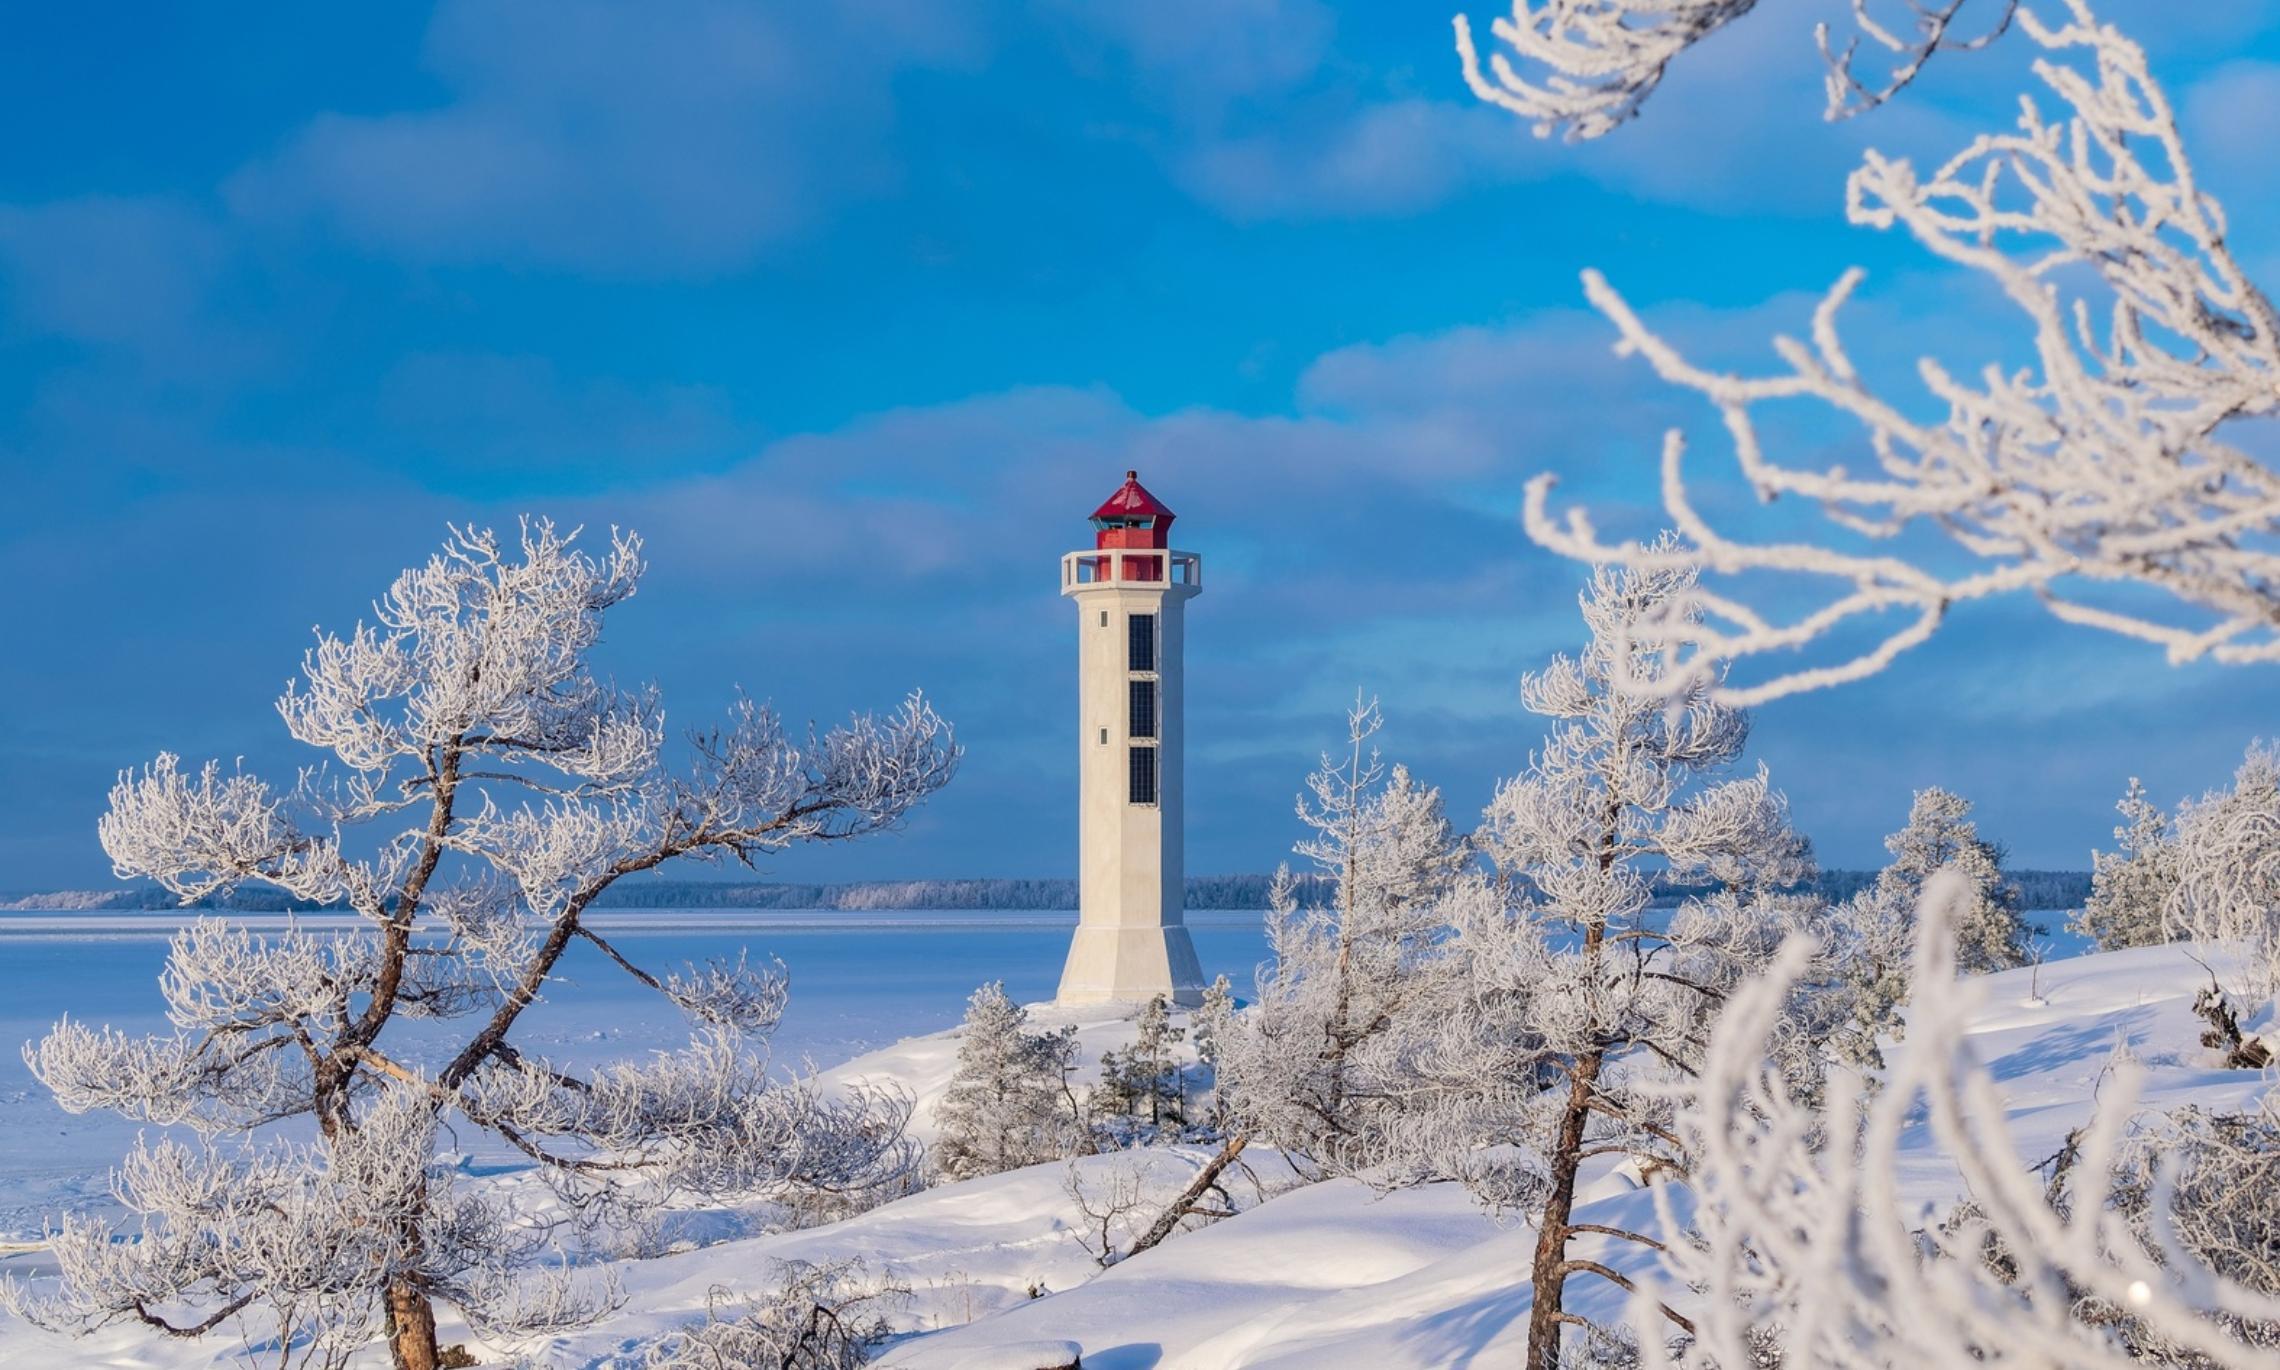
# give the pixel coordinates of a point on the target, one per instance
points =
(1131, 591)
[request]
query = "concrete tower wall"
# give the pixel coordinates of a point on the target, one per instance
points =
(1131, 942)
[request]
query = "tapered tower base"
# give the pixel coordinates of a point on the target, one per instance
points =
(1131, 966)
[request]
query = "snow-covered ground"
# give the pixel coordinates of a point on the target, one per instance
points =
(1320, 1275)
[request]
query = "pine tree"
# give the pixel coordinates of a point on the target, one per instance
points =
(1007, 1104)
(1143, 1086)
(1207, 1025)
(1315, 1064)
(1876, 928)
(1619, 993)
(1210, 1018)
(2130, 886)
(1990, 934)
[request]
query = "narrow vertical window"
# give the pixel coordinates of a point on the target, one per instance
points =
(1104, 737)
(1143, 712)
(1143, 648)
(1143, 775)
(1104, 618)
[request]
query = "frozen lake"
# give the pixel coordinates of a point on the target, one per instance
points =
(859, 981)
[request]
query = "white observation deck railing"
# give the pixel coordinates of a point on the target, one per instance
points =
(1138, 567)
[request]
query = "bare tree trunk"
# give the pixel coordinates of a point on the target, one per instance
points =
(1186, 1203)
(1552, 1233)
(412, 1344)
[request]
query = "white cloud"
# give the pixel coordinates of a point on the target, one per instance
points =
(1393, 157)
(105, 270)
(518, 419)
(677, 140)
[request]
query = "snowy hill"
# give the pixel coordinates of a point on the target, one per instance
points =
(1333, 1275)
(1322, 1275)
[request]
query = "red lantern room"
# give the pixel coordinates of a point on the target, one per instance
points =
(1134, 518)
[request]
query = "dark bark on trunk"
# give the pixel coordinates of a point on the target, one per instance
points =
(1553, 1230)
(1192, 1195)
(411, 1318)
(1548, 1274)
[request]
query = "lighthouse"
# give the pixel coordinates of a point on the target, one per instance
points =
(1131, 591)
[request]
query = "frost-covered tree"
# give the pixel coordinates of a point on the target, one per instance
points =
(1206, 1026)
(1143, 1087)
(1380, 837)
(1210, 1018)
(1876, 928)
(2131, 885)
(1618, 994)
(1317, 1063)
(1799, 1248)
(2228, 857)
(1009, 1103)
(483, 786)
(2109, 477)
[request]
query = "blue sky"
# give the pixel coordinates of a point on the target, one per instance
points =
(855, 311)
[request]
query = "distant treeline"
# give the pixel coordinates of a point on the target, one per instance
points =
(1203, 892)
(2037, 890)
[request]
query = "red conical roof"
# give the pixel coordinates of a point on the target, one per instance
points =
(1132, 500)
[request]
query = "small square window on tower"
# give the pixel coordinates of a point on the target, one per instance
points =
(1143, 775)
(1143, 643)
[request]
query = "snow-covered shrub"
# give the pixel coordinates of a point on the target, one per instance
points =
(2131, 886)
(1792, 1228)
(486, 786)
(2214, 1171)
(1010, 1102)
(830, 1316)
(2228, 855)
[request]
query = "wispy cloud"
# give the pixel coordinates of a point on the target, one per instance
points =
(646, 141)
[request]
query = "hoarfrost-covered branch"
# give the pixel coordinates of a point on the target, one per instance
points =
(197, 836)
(1933, 31)
(310, 1233)
(1583, 68)
(1801, 1239)
(1602, 58)
(2106, 479)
